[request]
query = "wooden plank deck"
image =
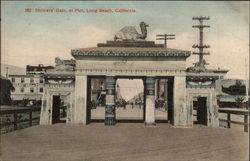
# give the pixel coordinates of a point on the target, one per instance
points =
(125, 141)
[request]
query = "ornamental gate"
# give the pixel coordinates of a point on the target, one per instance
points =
(135, 59)
(131, 56)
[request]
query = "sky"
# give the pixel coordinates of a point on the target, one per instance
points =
(37, 38)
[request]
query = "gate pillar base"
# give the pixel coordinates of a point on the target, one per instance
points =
(110, 121)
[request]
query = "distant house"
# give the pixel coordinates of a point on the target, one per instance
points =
(5, 90)
(27, 88)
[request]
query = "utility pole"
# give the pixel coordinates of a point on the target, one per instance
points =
(201, 46)
(165, 37)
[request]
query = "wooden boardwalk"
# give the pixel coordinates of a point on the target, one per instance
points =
(125, 141)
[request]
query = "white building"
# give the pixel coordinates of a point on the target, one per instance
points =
(27, 87)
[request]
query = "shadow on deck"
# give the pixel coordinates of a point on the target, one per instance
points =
(125, 141)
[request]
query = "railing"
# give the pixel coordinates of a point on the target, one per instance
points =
(11, 118)
(245, 113)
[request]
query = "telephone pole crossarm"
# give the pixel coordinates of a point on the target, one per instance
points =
(165, 37)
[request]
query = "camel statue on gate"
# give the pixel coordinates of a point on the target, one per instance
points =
(130, 33)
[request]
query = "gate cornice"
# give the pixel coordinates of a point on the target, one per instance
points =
(128, 52)
(129, 72)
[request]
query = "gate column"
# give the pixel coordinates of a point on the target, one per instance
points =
(80, 110)
(150, 101)
(110, 101)
(180, 109)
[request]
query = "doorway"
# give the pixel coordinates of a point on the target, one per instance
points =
(58, 110)
(200, 111)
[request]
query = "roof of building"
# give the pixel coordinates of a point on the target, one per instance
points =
(40, 67)
(129, 52)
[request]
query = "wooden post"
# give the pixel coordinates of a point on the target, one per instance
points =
(246, 123)
(15, 120)
(228, 120)
(30, 117)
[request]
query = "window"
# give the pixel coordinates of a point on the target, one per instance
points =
(13, 80)
(41, 90)
(31, 80)
(31, 90)
(22, 90)
(22, 80)
(41, 80)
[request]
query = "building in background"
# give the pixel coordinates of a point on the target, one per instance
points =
(37, 70)
(28, 89)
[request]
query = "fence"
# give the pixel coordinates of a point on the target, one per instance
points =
(236, 112)
(10, 119)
